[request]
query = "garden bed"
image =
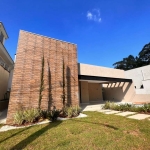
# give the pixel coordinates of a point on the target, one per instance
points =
(11, 127)
(140, 108)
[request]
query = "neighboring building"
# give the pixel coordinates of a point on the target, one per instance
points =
(6, 65)
(83, 83)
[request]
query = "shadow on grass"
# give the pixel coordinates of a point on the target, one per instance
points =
(14, 134)
(22, 144)
(102, 124)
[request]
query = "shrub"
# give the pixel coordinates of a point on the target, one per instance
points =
(51, 115)
(107, 105)
(76, 110)
(54, 113)
(27, 115)
(19, 117)
(71, 111)
(146, 108)
(31, 115)
(45, 114)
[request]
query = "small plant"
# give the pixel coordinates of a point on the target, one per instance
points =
(107, 105)
(45, 114)
(26, 116)
(50, 115)
(76, 110)
(31, 115)
(71, 111)
(19, 117)
(54, 114)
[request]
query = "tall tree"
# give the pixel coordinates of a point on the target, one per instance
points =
(126, 63)
(144, 55)
(132, 62)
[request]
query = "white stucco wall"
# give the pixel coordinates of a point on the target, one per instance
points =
(140, 76)
(91, 70)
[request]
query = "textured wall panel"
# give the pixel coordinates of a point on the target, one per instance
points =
(27, 73)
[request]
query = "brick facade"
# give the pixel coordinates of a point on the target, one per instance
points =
(27, 73)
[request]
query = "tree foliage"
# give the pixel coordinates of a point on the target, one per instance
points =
(132, 62)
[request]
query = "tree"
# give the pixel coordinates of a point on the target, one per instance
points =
(144, 55)
(132, 62)
(126, 63)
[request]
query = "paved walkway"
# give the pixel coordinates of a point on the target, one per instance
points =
(98, 107)
(3, 116)
(91, 107)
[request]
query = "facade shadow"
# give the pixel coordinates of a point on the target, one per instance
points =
(15, 134)
(50, 99)
(22, 144)
(68, 77)
(102, 124)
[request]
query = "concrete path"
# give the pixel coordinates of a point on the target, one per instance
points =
(139, 116)
(3, 116)
(104, 110)
(126, 113)
(91, 107)
(98, 107)
(111, 112)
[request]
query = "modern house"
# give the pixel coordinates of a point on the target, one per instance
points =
(51, 65)
(6, 65)
(141, 81)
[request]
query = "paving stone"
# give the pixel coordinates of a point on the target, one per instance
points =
(126, 113)
(105, 110)
(139, 116)
(92, 108)
(88, 109)
(112, 112)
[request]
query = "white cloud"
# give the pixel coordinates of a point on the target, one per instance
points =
(89, 15)
(94, 15)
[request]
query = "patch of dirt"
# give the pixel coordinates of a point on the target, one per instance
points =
(134, 132)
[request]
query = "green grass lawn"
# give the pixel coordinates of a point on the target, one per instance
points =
(97, 131)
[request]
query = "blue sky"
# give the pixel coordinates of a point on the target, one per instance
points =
(104, 30)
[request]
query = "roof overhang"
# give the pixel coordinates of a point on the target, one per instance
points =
(5, 55)
(2, 28)
(102, 80)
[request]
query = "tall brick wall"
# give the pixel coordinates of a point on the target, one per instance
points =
(27, 73)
